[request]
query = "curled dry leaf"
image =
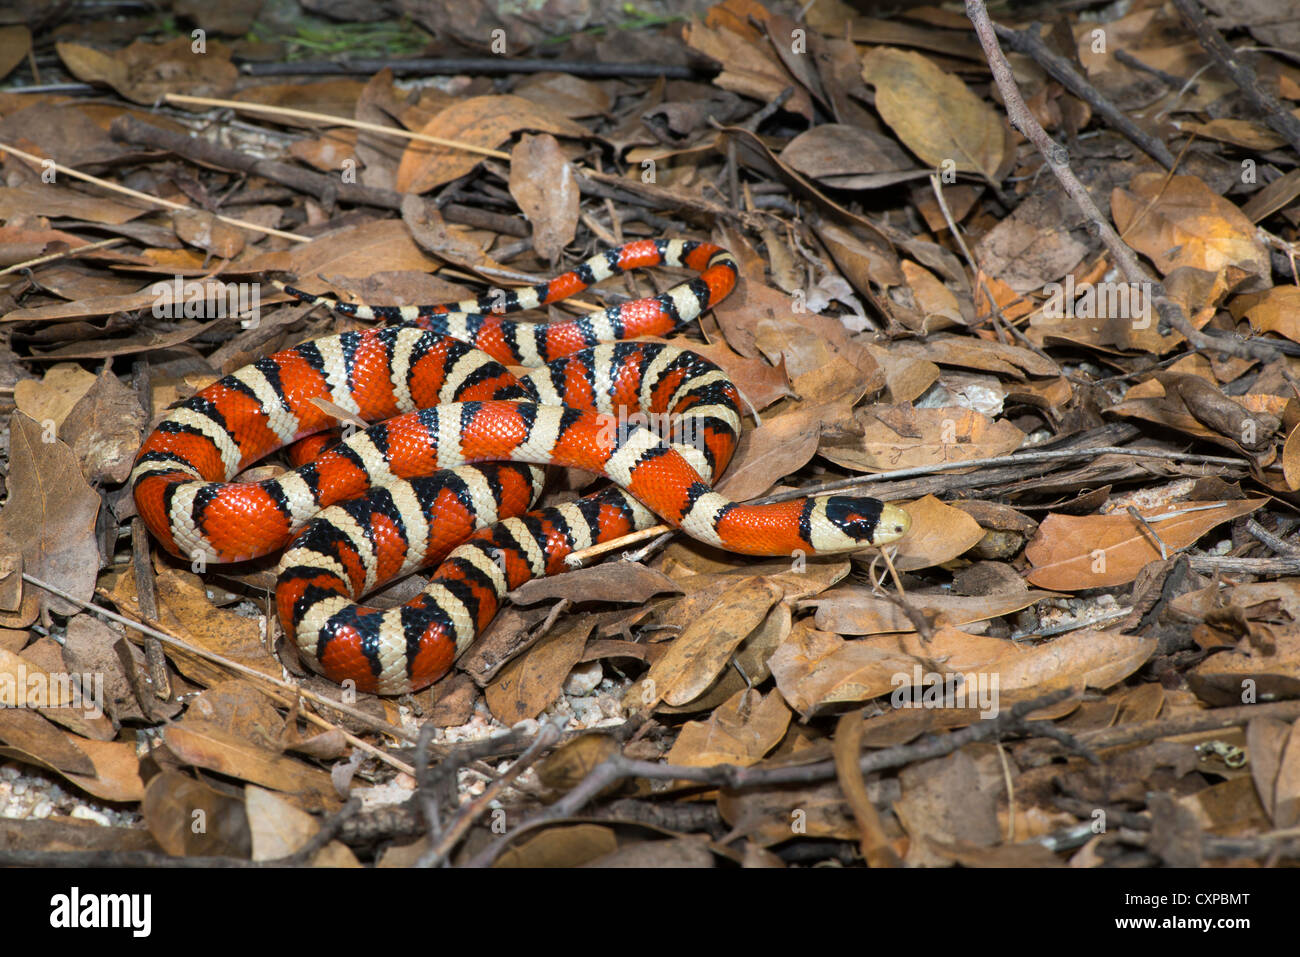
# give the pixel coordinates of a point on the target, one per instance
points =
(846, 157)
(1275, 310)
(204, 231)
(144, 72)
(104, 429)
(859, 611)
(23, 729)
(195, 742)
(1291, 459)
(530, 683)
(570, 845)
(174, 803)
(816, 670)
(542, 183)
(747, 68)
(1272, 674)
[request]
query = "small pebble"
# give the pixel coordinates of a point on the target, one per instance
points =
(584, 678)
(83, 813)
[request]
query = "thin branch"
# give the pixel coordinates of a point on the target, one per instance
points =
(328, 119)
(40, 162)
(1275, 114)
(1030, 42)
(617, 767)
(171, 640)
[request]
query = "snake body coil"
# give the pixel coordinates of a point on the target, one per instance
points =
(405, 493)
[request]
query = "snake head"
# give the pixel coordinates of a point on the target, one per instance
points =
(866, 521)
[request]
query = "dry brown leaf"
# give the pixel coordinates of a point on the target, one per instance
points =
(105, 428)
(1276, 310)
(934, 299)
(189, 819)
(543, 184)
(613, 581)
(201, 229)
(1179, 221)
(1072, 552)
(528, 685)
(277, 829)
(816, 670)
(53, 395)
(358, 251)
(1229, 677)
(748, 68)
(52, 200)
(703, 649)
(50, 513)
(144, 72)
(569, 845)
(900, 437)
(23, 729)
(740, 731)
(15, 44)
(939, 534)
(480, 121)
(195, 742)
(183, 604)
(1291, 459)
(856, 610)
(934, 113)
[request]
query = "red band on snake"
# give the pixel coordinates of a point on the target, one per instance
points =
(376, 506)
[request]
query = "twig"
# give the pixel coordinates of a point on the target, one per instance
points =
(1170, 312)
(1169, 80)
(1030, 42)
(474, 66)
(156, 201)
(470, 812)
(168, 639)
(1276, 565)
(1275, 115)
(1160, 542)
(617, 767)
(65, 254)
(1276, 544)
(1211, 720)
(331, 120)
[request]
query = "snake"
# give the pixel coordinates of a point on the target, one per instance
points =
(449, 474)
